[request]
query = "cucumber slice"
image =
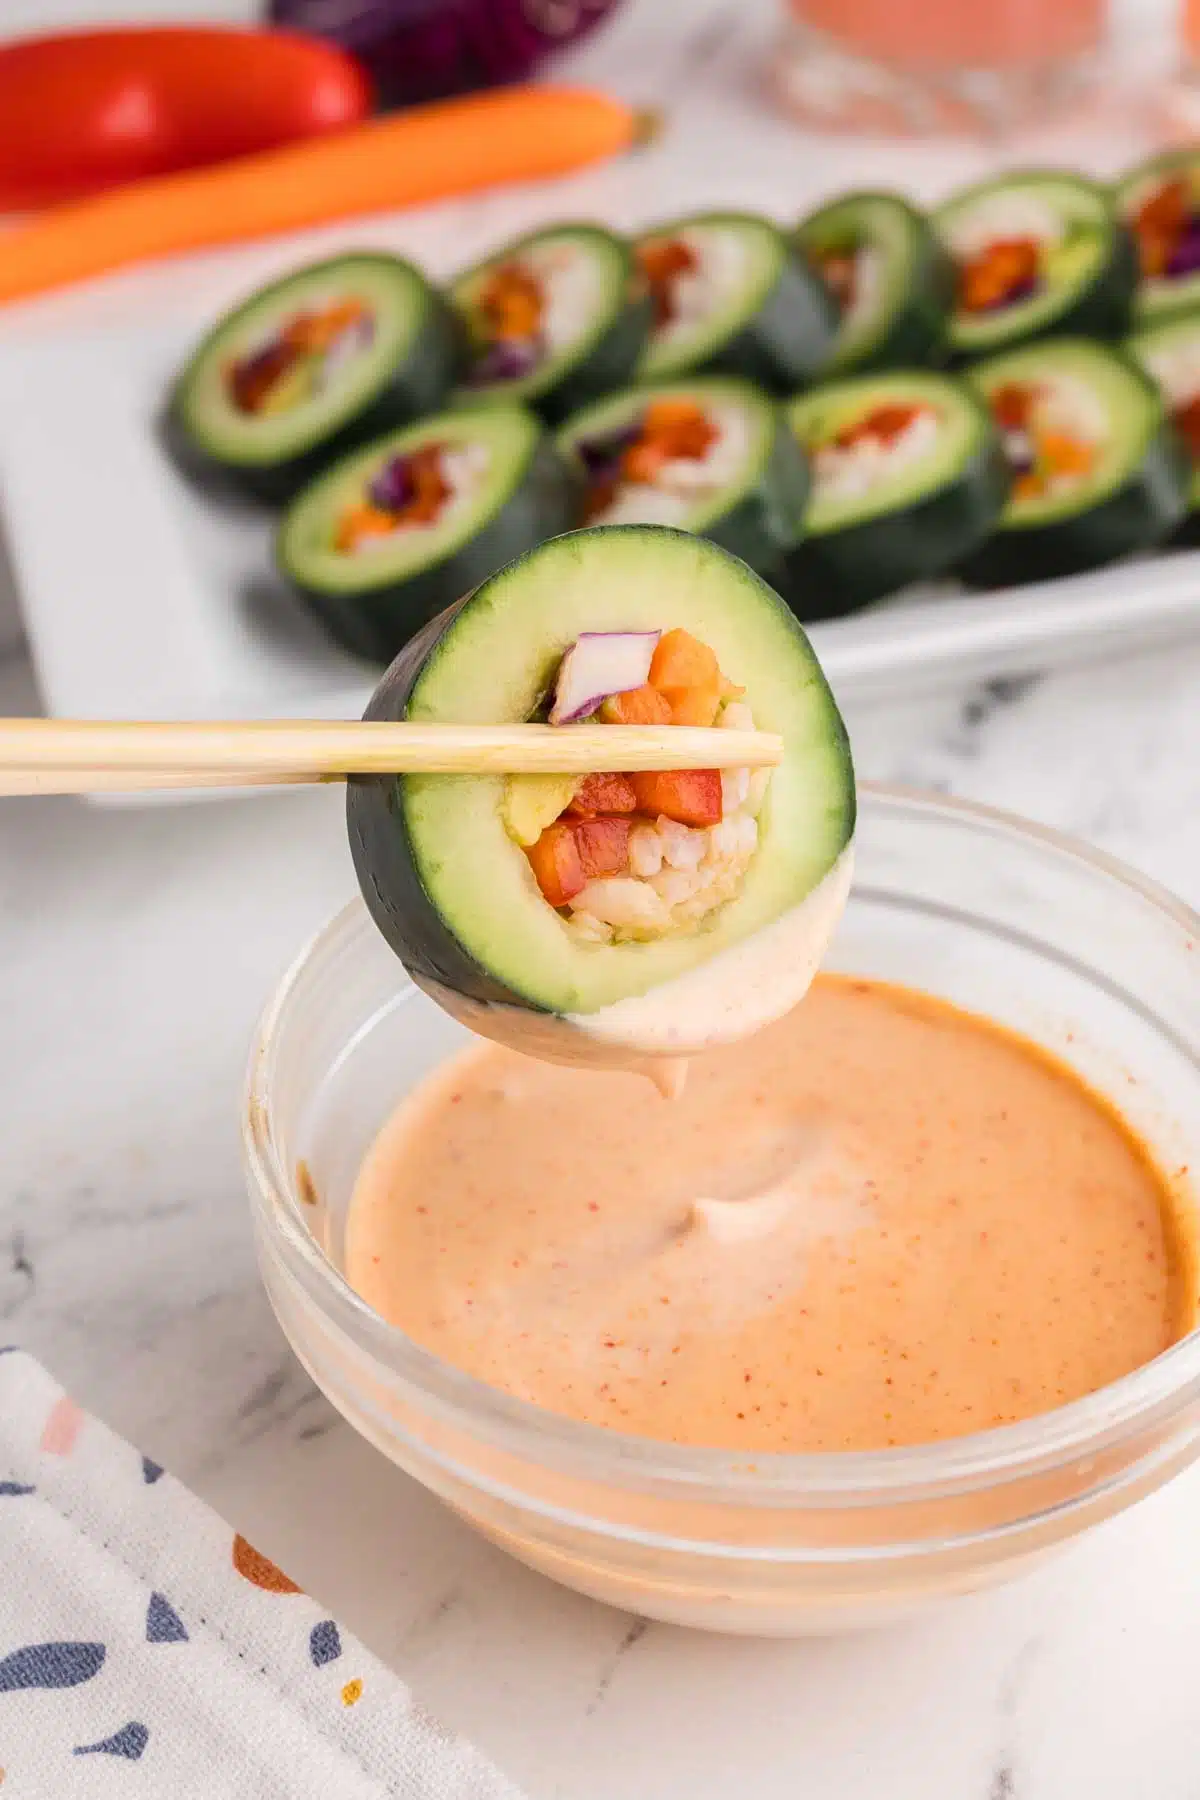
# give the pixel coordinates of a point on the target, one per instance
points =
(452, 892)
(552, 320)
(1036, 252)
(309, 366)
(494, 485)
(890, 276)
(1169, 353)
(731, 294)
(741, 482)
(894, 499)
(1099, 469)
(1159, 202)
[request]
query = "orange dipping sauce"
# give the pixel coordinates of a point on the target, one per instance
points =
(881, 1221)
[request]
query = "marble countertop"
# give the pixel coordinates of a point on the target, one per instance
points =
(135, 951)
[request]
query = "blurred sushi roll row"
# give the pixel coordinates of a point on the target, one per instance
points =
(1003, 390)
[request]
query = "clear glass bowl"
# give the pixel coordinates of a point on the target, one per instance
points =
(994, 914)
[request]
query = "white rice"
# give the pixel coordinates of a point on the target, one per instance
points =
(570, 284)
(1175, 366)
(848, 471)
(678, 874)
(1003, 215)
(688, 482)
(697, 294)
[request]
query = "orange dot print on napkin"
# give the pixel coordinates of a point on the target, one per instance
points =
(62, 1427)
(352, 1692)
(259, 1569)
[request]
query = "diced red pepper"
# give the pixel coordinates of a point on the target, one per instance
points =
(1013, 403)
(690, 796)
(556, 864)
(1187, 423)
(600, 795)
(603, 846)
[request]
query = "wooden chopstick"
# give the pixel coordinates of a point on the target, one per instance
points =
(92, 755)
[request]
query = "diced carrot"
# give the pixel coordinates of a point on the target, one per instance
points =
(642, 462)
(360, 522)
(556, 865)
(636, 706)
(1065, 455)
(998, 273)
(511, 302)
(682, 661)
(695, 706)
(603, 795)
(690, 796)
(603, 846)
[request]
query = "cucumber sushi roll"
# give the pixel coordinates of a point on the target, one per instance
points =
(1036, 253)
(1169, 353)
(1098, 469)
(713, 456)
(891, 279)
(731, 294)
(1160, 204)
(908, 476)
(553, 320)
(309, 366)
(652, 914)
(403, 527)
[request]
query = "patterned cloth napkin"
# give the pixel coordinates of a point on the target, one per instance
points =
(148, 1651)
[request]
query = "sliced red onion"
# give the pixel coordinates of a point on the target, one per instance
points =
(600, 663)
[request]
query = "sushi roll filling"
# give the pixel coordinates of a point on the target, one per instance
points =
(299, 359)
(673, 457)
(852, 274)
(873, 447)
(1052, 433)
(691, 275)
(1002, 248)
(1166, 225)
(529, 309)
(636, 858)
(1175, 366)
(411, 491)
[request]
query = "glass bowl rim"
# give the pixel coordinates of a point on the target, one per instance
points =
(803, 1479)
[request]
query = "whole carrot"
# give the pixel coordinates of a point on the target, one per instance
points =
(406, 159)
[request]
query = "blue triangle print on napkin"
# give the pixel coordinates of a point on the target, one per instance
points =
(163, 1623)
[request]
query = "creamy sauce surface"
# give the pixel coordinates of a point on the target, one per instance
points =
(879, 1221)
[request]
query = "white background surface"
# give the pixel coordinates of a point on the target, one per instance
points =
(135, 951)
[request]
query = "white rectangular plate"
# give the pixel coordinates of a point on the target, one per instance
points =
(144, 599)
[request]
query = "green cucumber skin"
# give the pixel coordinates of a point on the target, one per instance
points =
(837, 572)
(915, 336)
(378, 623)
(1145, 511)
(785, 345)
(1103, 310)
(765, 524)
(383, 857)
(416, 387)
(609, 365)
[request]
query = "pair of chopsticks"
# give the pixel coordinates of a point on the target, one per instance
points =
(91, 756)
